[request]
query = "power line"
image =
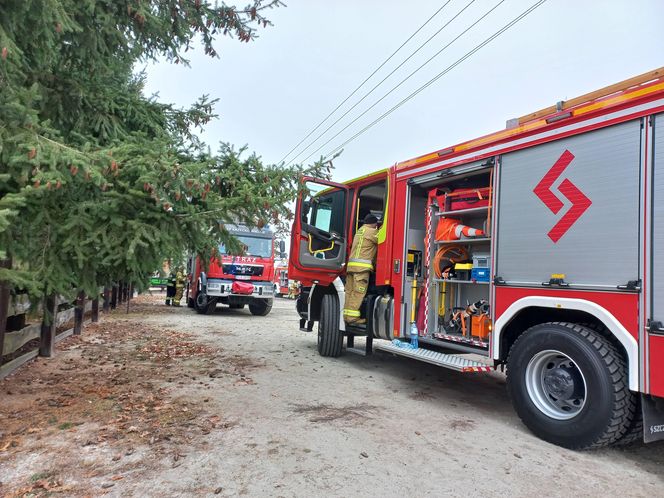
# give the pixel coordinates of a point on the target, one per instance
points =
(383, 80)
(408, 77)
(441, 74)
(367, 79)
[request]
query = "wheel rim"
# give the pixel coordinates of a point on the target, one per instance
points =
(556, 385)
(201, 300)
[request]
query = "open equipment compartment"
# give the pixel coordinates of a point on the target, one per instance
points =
(455, 289)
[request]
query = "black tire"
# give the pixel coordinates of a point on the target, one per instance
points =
(330, 338)
(236, 306)
(260, 307)
(608, 406)
(634, 433)
(202, 304)
(190, 303)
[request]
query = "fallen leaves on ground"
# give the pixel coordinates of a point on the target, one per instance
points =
(117, 391)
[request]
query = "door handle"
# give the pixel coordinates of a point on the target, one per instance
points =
(654, 326)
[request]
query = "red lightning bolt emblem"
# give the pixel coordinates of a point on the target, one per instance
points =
(580, 203)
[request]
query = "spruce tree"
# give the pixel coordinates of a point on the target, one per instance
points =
(98, 182)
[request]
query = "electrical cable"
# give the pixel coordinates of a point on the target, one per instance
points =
(366, 79)
(407, 77)
(434, 79)
(377, 85)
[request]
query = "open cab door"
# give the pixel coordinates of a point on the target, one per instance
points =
(319, 238)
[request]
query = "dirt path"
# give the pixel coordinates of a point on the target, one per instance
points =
(165, 402)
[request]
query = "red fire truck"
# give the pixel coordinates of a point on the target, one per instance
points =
(561, 281)
(236, 280)
(280, 279)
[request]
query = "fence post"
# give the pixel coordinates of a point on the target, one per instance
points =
(107, 299)
(4, 306)
(79, 313)
(95, 308)
(46, 346)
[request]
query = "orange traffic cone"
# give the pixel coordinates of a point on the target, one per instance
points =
(451, 229)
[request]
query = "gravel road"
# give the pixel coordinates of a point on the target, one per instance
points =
(302, 425)
(382, 426)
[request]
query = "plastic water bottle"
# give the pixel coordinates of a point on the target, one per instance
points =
(402, 344)
(414, 335)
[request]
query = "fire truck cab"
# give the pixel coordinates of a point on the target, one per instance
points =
(539, 248)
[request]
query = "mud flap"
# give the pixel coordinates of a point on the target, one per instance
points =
(653, 418)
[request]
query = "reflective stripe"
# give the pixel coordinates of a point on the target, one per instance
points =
(360, 232)
(351, 312)
(354, 264)
(357, 260)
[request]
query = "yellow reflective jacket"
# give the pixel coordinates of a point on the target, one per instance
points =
(363, 251)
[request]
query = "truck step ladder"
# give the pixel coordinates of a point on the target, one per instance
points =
(350, 343)
(458, 362)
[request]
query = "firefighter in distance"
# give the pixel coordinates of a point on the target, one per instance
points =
(360, 265)
(179, 286)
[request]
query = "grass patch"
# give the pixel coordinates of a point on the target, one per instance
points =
(65, 426)
(40, 475)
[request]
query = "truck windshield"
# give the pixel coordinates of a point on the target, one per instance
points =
(254, 246)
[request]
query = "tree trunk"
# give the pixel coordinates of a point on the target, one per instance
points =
(95, 309)
(79, 313)
(114, 297)
(107, 299)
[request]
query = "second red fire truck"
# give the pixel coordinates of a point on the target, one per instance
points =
(539, 248)
(236, 280)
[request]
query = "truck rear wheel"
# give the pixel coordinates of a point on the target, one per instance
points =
(330, 338)
(260, 307)
(568, 384)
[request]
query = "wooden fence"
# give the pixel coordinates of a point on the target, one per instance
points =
(20, 342)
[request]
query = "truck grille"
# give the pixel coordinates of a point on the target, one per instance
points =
(250, 270)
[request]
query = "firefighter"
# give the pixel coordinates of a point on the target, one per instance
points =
(170, 289)
(179, 287)
(360, 265)
(292, 286)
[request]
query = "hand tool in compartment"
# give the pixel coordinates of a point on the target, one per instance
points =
(481, 325)
(463, 270)
(473, 320)
(446, 257)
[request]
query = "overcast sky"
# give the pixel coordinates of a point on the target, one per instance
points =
(275, 90)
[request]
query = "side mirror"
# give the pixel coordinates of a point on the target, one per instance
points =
(282, 248)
